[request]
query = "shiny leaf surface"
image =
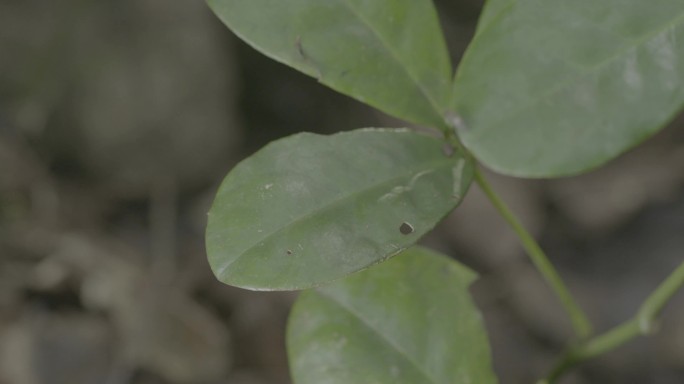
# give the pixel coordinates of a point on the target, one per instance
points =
(410, 320)
(309, 209)
(555, 87)
(387, 53)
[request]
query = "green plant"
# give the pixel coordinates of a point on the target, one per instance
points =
(547, 88)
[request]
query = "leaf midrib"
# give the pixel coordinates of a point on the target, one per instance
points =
(394, 55)
(434, 165)
(382, 336)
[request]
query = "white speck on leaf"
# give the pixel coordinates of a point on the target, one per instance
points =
(398, 190)
(631, 73)
(455, 121)
(663, 50)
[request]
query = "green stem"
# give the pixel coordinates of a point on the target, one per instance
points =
(641, 324)
(579, 320)
(651, 308)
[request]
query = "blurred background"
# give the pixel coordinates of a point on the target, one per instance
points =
(118, 120)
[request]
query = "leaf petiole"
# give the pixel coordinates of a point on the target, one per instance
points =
(579, 320)
(641, 324)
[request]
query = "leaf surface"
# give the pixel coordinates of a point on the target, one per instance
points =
(491, 10)
(309, 208)
(554, 87)
(390, 54)
(410, 320)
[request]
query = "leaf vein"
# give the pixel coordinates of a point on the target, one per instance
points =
(337, 201)
(421, 87)
(636, 44)
(393, 345)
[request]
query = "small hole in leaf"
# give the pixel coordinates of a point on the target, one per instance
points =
(406, 228)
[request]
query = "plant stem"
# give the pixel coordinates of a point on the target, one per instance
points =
(579, 320)
(641, 324)
(651, 308)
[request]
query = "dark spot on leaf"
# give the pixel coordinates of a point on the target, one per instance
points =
(306, 58)
(406, 228)
(300, 49)
(289, 252)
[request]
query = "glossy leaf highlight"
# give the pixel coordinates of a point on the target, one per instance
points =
(389, 54)
(309, 208)
(554, 87)
(410, 321)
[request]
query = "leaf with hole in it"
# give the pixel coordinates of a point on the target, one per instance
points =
(410, 320)
(309, 208)
(557, 87)
(389, 54)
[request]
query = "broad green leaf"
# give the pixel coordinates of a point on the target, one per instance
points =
(387, 53)
(491, 10)
(557, 87)
(309, 209)
(409, 321)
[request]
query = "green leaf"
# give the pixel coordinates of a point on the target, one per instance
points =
(309, 209)
(387, 53)
(410, 321)
(557, 87)
(491, 10)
